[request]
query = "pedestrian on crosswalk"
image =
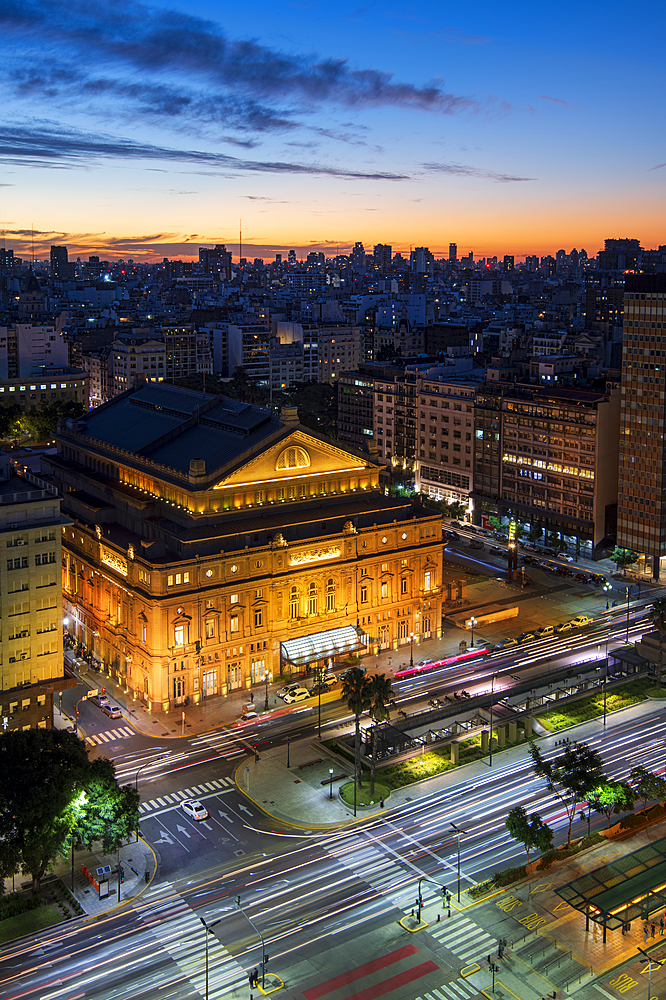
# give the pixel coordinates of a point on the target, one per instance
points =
(652, 928)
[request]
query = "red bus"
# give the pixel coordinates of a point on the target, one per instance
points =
(450, 661)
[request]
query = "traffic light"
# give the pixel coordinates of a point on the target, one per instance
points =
(121, 874)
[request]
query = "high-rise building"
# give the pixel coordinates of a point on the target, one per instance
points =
(31, 528)
(61, 269)
(382, 256)
(641, 514)
(216, 261)
(358, 257)
(509, 262)
(453, 252)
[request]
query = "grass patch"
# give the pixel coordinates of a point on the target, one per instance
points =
(363, 796)
(588, 709)
(30, 921)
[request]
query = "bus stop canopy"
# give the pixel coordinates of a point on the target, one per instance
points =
(322, 645)
(632, 887)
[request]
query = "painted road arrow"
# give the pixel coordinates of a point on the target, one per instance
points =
(181, 829)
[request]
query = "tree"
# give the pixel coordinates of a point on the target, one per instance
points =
(536, 531)
(658, 618)
(531, 831)
(647, 786)
(623, 557)
(356, 692)
(9, 415)
(40, 423)
(51, 796)
(108, 813)
(381, 695)
(611, 797)
(570, 776)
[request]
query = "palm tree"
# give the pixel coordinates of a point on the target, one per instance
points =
(356, 692)
(658, 618)
(381, 695)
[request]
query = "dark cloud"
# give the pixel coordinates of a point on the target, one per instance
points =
(140, 37)
(462, 170)
(47, 143)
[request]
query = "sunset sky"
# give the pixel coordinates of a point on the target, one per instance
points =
(143, 130)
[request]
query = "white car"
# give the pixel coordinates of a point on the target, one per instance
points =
(99, 700)
(194, 809)
(288, 689)
(300, 694)
(565, 557)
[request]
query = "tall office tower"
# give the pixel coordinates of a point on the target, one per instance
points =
(382, 256)
(291, 258)
(641, 514)
(216, 260)
(453, 252)
(61, 269)
(508, 262)
(358, 257)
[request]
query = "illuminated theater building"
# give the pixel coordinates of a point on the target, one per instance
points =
(213, 543)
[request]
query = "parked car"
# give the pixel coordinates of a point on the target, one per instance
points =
(598, 578)
(456, 524)
(581, 577)
(528, 545)
(545, 631)
(194, 809)
(476, 543)
(563, 627)
(320, 688)
(343, 673)
(495, 550)
(330, 679)
(526, 637)
(507, 643)
(470, 527)
(293, 697)
(451, 536)
(248, 710)
(580, 620)
(99, 700)
(288, 688)
(529, 560)
(112, 711)
(500, 537)
(565, 557)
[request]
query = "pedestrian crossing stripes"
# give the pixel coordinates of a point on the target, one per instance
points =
(460, 990)
(188, 793)
(465, 939)
(113, 734)
(181, 934)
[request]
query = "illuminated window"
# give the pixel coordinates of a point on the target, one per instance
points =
(312, 599)
(233, 599)
(385, 592)
(330, 595)
(427, 577)
(210, 629)
(179, 635)
(233, 623)
(258, 618)
(403, 585)
(293, 458)
(293, 603)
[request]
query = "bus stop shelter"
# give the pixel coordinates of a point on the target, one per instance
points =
(631, 888)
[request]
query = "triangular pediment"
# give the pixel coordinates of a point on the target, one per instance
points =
(296, 457)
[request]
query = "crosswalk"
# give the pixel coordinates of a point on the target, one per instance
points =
(460, 935)
(173, 798)
(110, 736)
(180, 932)
(380, 871)
(460, 990)
(463, 937)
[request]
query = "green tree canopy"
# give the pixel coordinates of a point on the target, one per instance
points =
(356, 692)
(569, 776)
(648, 786)
(611, 797)
(51, 795)
(9, 415)
(40, 423)
(623, 557)
(531, 831)
(381, 695)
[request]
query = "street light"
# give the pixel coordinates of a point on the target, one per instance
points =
(330, 778)
(490, 735)
(459, 832)
(208, 929)
(411, 649)
(650, 961)
(268, 676)
(628, 590)
(607, 589)
(264, 956)
(473, 622)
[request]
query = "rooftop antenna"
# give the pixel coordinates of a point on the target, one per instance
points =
(240, 240)
(32, 243)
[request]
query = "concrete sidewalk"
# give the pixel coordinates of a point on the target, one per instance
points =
(137, 859)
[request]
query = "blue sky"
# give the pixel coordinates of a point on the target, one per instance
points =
(142, 130)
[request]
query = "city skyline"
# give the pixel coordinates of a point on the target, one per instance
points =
(146, 131)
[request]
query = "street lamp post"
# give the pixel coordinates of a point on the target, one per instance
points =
(264, 956)
(628, 590)
(458, 832)
(607, 589)
(208, 928)
(473, 622)
(411, 649)
(490, 734)
(330, 779)
(268, 676)
(288, 742)
(650, 961)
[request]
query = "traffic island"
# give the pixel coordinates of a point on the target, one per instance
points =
(413, 923)
(271, 984)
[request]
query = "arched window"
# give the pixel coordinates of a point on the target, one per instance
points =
(293, 458)
(330, 595)
(294, 603)
(312, 599)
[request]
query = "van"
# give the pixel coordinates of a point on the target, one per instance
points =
(248, 711)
